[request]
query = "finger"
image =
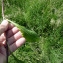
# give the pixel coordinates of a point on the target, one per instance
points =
(10, 26)
(2, 29)
(3, 26)
(3, 51)
(17, 44)
(15, 37)
(12, 31)
(2, 39)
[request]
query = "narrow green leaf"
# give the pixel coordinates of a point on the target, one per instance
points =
(30, 36)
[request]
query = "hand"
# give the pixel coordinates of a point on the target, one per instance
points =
(14, 39)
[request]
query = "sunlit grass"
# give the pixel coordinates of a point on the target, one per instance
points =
(45, 17)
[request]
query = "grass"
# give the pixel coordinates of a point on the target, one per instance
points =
(45, 17)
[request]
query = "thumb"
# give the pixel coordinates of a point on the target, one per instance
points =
(3, 26)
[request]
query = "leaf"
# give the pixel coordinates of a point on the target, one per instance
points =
(29, 35)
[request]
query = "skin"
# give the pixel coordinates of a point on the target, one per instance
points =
(14, 39)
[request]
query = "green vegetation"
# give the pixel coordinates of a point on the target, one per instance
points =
(28, 34)
(45, 17)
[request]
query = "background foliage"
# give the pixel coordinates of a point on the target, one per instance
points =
(46, 18)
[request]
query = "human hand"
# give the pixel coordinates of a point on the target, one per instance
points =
(14, 39)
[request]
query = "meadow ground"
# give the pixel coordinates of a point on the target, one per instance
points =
(45, 17)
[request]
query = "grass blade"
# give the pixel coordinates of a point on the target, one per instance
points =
(30, 36)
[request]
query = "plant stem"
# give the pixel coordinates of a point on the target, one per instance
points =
(3, 9)
(3, 16)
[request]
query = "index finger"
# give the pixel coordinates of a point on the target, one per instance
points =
(10, 26)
